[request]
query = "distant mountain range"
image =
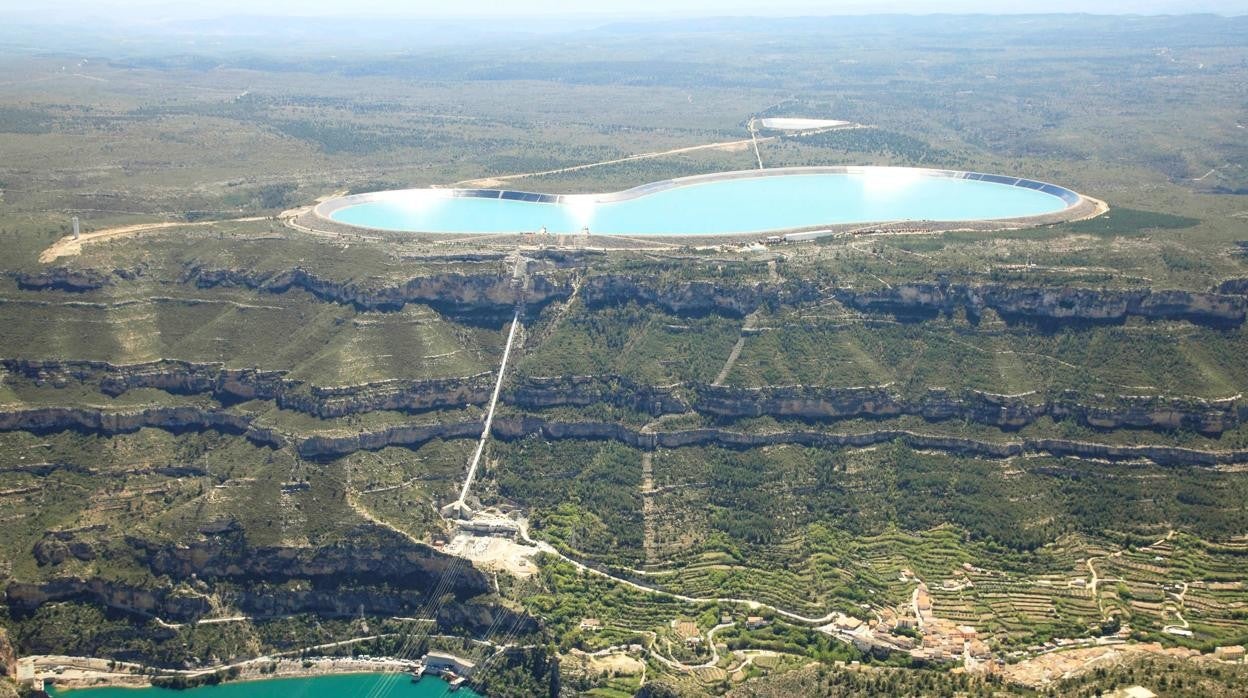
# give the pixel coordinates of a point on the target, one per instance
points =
(88, 32)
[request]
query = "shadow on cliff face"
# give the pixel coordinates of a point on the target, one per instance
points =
(486, 300)
(1048, 309)
(370, 571)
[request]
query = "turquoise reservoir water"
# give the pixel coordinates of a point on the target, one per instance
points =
(335, 686)
(753, 204)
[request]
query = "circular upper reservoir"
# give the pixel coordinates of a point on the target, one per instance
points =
(759, 201)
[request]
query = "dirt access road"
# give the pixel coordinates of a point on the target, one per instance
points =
(740, 144)
(69, 245)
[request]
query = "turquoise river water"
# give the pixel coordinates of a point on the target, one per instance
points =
(751, 204)
(333, 686)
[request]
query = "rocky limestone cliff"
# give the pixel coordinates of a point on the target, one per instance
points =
(1048, 305)
(233, 385)
(1238, 287)
(533, 392)
(511, 428)
(263, 600)
(63, 279)
(24, 597)
(8, 657)
(371, 570)
(920, 300)
(695, 298)
(1001, 411)
(494, 295)
(322, 446)
(455, 294)
(175, 419)
(169, 375)
(368, 555)
(400, 395)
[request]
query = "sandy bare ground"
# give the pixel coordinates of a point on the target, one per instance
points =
(494, 553)
(69, 246)
(1099, 208)
(615, 664)
(83, 672)
(1038, 671)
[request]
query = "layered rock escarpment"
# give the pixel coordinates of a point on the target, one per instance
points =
(1049, 305)
(27, 597)
(1002, 411)
(511, 428)
(8, 657)
(178, 419)
(495, 294)
(74, 280)
(229, 385)
(63, 279)
(536, 392)
(1033, 304)
(1237, 287)
(531, 392)
(452, 293)
(695, 298)
(109, 422)
(489, 293)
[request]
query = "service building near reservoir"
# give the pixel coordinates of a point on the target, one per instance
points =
(436, 662)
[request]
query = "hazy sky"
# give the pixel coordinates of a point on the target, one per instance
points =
(126, 9)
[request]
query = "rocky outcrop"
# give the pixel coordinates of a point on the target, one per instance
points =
(58, 546)
(1001, 411)
(233, 385)
(399, 395)
(326, 402)
(511, 428)
(8, 657)
(534, 393)
(924, 300)
(331, 446)
(174, 419)
(255, 599)
(50, 551)
(369, 555)
(452, 293)
(371, 570)
(1238, 287)
(403, 435)
(24, 597)
(1200, 308)
(494, 295)
(1048, 305)
(171, 376)
(799, 402)
(63, 279)
(695, 298)
(45, 469)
